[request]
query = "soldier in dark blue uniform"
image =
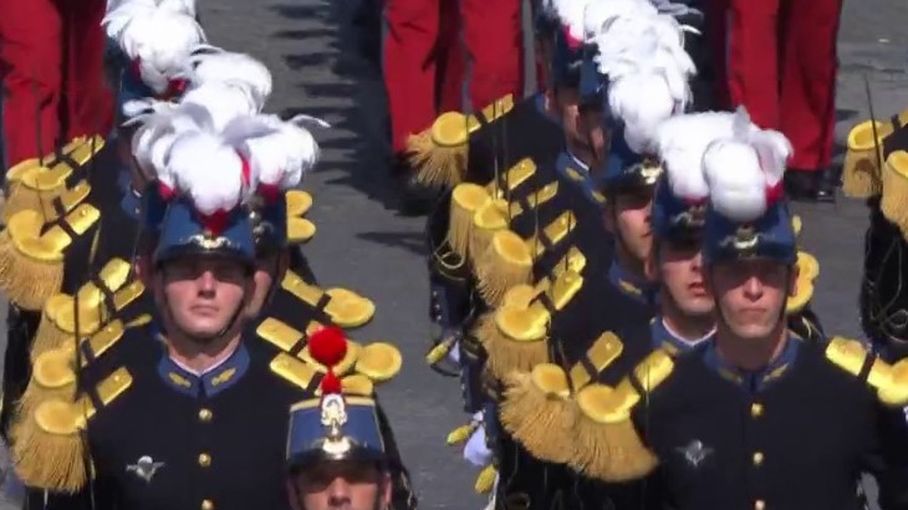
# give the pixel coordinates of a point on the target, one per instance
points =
(732, 422)
(336, 454)
(876, 152)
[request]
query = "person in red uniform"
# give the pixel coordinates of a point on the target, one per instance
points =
(423, 62)
(780, 62)
(52, 65)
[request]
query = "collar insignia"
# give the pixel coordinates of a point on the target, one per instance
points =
(695, 452)
(145, 468)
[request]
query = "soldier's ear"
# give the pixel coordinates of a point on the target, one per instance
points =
(651, 264)
(293, 495)
(386, 488)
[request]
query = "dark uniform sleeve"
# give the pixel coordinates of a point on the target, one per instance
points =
(888, 459)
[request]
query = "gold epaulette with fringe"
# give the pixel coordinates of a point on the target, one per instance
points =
(377, 361)
(508, 259)
(346, 308)
(539, 408)
(607, 446)
(48, 449)
(440, 153)
(895, 190)
(889, 381)
(861, 172)
(88, 311)
(299, 229)
(477, 212)
(31, 255)
(35, 184)
(514, 335)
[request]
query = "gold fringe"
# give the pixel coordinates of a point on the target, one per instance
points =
(28, 282)
(894, 203)
(48, 460)
(488, 220)
(485, 481)
(24, 197)
(503, 266)
(466, 199)
(540, 421)
(49, 336)
(506, 355)
(860, 172)
(612, 452)
(436, 166)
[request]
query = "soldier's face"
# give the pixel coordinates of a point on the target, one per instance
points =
(751, 295)
(203, 294)
(680, 272)
(341, 485)
(628, 217)
(584, 135)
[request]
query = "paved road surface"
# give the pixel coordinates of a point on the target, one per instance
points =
(362, 243)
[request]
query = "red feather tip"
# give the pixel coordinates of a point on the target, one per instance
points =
(165, 191)
(175, 88)
(328, 346)
(270, 192)
(215, 222)
(774, 193)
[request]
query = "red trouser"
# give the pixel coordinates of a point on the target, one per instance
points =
(52, 58)
(780, 62)
(424, 65)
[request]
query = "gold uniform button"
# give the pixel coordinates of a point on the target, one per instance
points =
(205, 415)
(204, 460)
(758, 458)
(756, 410)
(207, 504)
(759, 505)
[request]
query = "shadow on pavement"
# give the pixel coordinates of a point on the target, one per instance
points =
(358, 143)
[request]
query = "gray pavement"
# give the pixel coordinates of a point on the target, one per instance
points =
(362, 243)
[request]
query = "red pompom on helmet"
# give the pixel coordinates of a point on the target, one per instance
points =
(328, 346)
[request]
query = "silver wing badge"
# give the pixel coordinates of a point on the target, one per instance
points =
(695, 452)
(145, 468)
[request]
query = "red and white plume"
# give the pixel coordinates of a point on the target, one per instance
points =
(745, 170)
(642, 54)
(681, 142)
(572, 16)
(157, 37)
(279, 152)
(210, 64)
(219, 167)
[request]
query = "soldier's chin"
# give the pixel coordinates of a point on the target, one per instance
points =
(205, 332)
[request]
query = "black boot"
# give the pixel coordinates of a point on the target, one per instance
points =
(810, 185)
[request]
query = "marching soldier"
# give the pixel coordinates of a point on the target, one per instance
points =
(729, 423)
(873, 165)
(336, 454)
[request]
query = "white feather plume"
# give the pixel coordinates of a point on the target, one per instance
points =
(209, 64)
(642, 54)
(159, 37)
(681, 142)
(200, 153)
(599, 13)
(572, 15)
(742, 168)
(207, 170)
(279, 152)
(179, 6)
